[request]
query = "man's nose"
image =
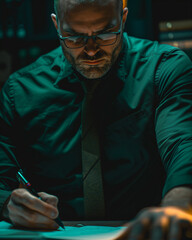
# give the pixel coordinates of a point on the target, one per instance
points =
(91, 47)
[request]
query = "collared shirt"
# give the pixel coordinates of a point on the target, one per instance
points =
(144, 109)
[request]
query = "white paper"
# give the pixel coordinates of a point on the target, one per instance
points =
(70, 233)
(85, 232)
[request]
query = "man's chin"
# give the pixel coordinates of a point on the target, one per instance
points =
(93, 72)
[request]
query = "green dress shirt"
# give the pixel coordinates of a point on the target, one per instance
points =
(144, 110)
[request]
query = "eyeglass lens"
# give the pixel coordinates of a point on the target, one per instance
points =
(101, 39)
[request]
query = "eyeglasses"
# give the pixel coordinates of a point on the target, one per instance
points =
(103, 39)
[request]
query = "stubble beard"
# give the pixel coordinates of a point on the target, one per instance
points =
(93, 72)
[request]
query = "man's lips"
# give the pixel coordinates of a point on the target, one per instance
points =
(94, 62)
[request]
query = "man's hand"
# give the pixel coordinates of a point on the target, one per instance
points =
(158, 224)
(28, 211)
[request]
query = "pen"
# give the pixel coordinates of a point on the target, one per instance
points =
(28, 186)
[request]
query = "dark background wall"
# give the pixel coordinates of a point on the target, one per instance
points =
(26, 29)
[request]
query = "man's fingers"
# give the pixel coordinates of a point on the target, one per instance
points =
(175, 232)
(23, 197)
(21, 221)
(53, 200)
(139, 229)
(135, 230)
(160, 228)
(29, 211)
(23, 216)
(178, 228)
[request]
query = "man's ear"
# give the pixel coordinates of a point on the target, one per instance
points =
(54, 19)
(125, 13)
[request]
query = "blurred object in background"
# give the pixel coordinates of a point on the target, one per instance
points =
(166, 21)
(26, 30)
(174, 26)
(27, 19)
(5, 66)
(178, 34)
(140, 19)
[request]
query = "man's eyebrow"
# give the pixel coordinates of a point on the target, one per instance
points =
(108, 27)
(72, 31)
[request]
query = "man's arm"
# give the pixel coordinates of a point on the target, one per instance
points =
(173, 126)
(8, 165)
(17, 205)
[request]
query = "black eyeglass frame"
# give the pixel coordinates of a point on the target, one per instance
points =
(93, 37)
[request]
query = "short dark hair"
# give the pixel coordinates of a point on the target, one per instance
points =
(102, 2)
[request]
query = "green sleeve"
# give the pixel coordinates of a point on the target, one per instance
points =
(173, 118)
(7, 149)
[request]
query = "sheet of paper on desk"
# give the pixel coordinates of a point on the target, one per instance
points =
(85, 233)
(70, 233)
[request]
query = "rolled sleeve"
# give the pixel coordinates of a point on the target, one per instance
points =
(173, 119)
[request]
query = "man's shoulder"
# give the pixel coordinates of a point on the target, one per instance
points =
(147, 48)
(43, 65)
(152, 54)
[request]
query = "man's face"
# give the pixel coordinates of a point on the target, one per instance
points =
(91, 60)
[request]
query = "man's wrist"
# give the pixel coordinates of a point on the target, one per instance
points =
(180, 197)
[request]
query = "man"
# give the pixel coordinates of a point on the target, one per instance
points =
(141, 100)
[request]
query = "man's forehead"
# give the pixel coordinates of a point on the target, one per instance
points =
(64, 6)
(107, 10)
(90, 16)
(97, 26)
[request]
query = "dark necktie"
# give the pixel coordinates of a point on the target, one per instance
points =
(91, 161)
